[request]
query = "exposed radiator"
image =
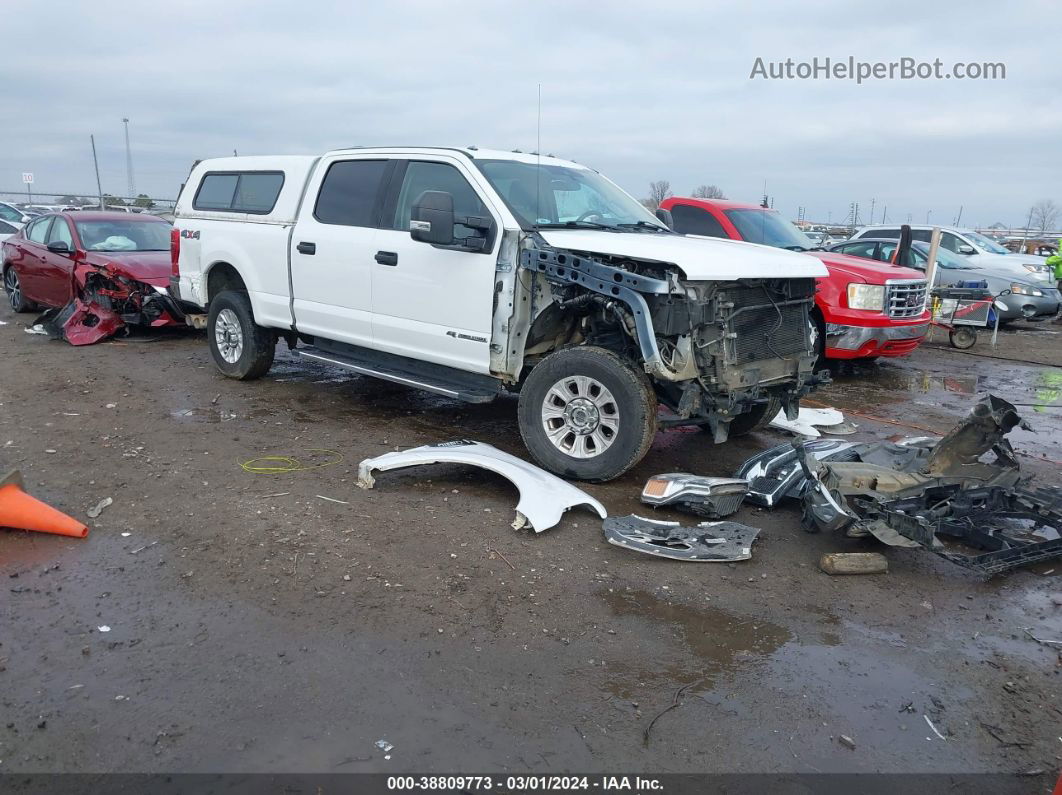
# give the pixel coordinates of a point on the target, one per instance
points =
(763, 330)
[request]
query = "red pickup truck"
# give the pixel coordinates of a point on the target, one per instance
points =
(863, 309)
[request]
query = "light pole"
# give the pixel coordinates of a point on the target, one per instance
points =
(928, 213)
(129, 162)
(96, 165)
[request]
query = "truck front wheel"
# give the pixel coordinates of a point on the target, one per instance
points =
(240, 347)
(585, 413)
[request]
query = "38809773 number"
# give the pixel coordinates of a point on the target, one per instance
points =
(439, 783)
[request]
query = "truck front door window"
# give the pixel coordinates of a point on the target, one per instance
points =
(422, 176)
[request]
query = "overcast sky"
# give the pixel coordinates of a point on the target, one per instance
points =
(640, 91)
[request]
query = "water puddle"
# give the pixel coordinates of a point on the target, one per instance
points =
(712, 642)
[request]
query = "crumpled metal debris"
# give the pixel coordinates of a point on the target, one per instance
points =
(708, 542)
(710, 497)
(919, 492)
(813, 422)
(776, 473)
(106, 299)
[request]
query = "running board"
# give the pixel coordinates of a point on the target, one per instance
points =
(456, 384)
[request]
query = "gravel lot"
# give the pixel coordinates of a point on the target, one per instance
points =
(256, 626)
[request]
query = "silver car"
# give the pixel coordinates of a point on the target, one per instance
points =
(1017, 298)
(974, 248)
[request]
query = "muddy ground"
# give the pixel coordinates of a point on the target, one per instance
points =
(256, 626)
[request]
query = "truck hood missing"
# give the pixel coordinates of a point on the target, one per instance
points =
(701, 259)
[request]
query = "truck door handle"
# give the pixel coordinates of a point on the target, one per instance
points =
(387, 257)
(307, 248)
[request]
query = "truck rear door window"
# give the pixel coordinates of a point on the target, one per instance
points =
(253, 192)
(349, 191)
(690, 220)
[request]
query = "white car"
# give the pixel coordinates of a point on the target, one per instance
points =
(977, 248)
(14, 215)
(6, 230)
(469, 273)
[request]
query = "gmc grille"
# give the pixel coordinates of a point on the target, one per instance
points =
(905, 297)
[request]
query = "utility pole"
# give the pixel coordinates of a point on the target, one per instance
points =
(928, 213)
(95, 163)
(129, 162)
(1025, 235)
(884, 214)
(872, 203)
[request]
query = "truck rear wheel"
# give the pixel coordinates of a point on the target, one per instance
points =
(241, 348)
(585, 413)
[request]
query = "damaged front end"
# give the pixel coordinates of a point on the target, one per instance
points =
(924, 493)
(106, 299)
(715, 350)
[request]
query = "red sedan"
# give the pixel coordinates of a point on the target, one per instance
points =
(96, 271)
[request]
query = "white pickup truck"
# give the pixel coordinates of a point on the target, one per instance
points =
(472, 273)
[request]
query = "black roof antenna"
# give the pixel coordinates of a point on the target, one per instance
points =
(538, 158)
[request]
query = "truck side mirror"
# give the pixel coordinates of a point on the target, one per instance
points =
(665, 217)
(432, 218)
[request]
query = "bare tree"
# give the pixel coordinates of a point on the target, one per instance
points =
(658, 191)
(708, 192)
(1044, 214)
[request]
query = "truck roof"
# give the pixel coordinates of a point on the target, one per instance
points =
(471, 152)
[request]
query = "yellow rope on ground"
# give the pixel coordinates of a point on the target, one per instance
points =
(277, 464)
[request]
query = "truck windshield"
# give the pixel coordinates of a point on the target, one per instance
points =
(550, 196)
(769, 228)
(124, 235)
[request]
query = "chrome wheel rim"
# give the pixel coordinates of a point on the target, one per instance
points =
(228, 335)
(580, 417)
(14, 289)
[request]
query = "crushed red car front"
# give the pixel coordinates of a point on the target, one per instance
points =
(111, 291)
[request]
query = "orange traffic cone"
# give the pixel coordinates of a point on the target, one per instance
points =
(23, 512)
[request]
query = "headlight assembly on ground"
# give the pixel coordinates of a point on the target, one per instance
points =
(866, 296)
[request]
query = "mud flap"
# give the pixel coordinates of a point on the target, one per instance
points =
(79, 323)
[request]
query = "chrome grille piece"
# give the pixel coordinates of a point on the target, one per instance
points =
(905, 297)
